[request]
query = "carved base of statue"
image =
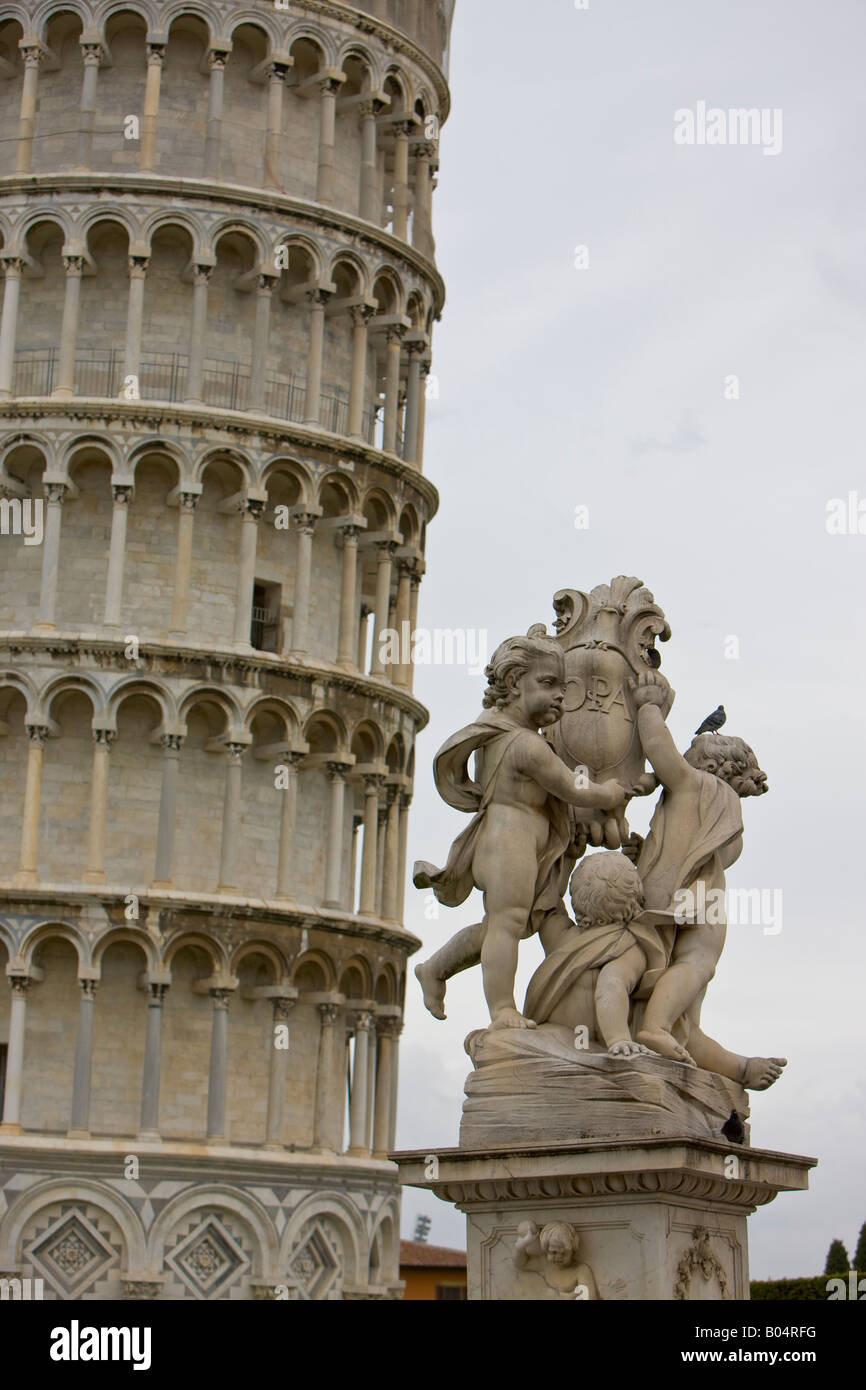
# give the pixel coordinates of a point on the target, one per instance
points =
(659, 1219)
(529, 1082)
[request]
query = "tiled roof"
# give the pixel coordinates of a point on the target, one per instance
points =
(416, 1254)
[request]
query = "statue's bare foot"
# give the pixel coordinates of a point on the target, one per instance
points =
(761, 1072)
(626, 1048)
(433, 987)
(665, 1044)
(511, 1018)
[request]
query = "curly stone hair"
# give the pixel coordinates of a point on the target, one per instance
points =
(515, 654)
(562, 1229)
(722, 754)
(606, 888)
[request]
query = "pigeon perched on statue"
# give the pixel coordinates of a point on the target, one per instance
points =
(733, 1129)
(713, 722)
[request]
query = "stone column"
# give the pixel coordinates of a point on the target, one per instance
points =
(348, 600)
(392, 857)
(413, 621)
(27, 875)
(329, 87)
(422, 226)
(304, 523)
(163, 874)
(217, 59)
(74, 266)
(385, 550)
(401, 180)
(324, 1077)
(360, 1082)
(93, 55)
(413, 406)
(393, 353)
(251, 516)
(372, 785)
(334, 868)
(79, 1127)
(362, 637)
(285, 862)
(402, 620)
(152, 1059)
(384, 1085)
(9, 324)
(372, 1067)
(360, 317)
(219, 1046)
(405, 803)
(380, 854)
(371, 195)
(198, 330)
(32, 55)
(95, 868)
(274, 137)
(277, 1076)
(116, 556)
(55, 494)
(422, 414)
(396, 1030)
(313, 398)
(258, 379)
(131, 388)
(150, 116)
(15, 1056)
(231, 818)
(183, 563)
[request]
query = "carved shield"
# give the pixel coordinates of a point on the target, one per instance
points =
(598, 729)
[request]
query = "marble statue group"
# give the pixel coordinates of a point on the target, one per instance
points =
(574, 727)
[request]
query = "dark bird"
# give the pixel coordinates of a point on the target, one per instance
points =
(733, 1129)
(713, 722)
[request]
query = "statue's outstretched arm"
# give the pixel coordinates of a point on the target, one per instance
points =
(667, 761)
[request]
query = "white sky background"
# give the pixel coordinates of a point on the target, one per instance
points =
(605, 387)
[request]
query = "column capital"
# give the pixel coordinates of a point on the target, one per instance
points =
(187, 501)
(171, 743)
(426, 149)
(404, 128)
(328, 1014)
(278, 71)
(19, 985)
(201, 274)
(386, 550)
(350, 532)
(88, 988)
(156, 991)
(73, 265)
(373, 782)
(283, 1006)
(221, 998)
(217, 59)
(104, 738)
(37, 734)
(265, 282)
(93, 53)
(305, 522)
(32, 52)
(337, 770)
(253, 507)
(138, 266)
(317, 297)
(361, 314)
(122, 494)
(395, 333)
(371, 107)
(389, 1027)
(293, 758)
(13, 264)
(155, 55)
(362, 1021)
(236, 751)
(329, 86)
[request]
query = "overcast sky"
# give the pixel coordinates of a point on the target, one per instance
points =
(605, 387)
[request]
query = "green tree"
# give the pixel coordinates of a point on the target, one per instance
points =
(860, 1252)
(837, 1259)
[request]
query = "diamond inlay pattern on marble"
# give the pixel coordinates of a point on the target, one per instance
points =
(209, 1260)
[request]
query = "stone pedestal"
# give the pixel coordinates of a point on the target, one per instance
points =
(657, 1218)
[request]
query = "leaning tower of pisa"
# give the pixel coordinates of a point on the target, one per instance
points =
(215, 351)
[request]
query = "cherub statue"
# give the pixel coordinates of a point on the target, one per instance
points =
(521, 828)
(696, 834)
(612, 940)
(551, 1252)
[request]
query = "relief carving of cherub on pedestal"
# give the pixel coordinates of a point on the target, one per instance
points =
(552, 1253)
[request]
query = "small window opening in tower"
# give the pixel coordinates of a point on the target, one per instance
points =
(265, 623)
